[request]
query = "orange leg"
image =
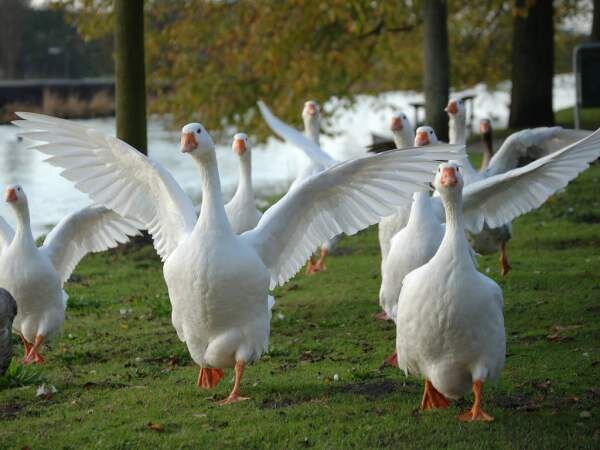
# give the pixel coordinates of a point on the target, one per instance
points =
(209, 378)
(432, 398)
(320, 265)
(234, 396)
(476, 413)
(382, 315)
(504, 265)
(311, 267)
(26, 346)
(34, 356)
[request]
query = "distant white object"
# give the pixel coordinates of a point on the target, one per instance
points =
(35, 276)
(450, 325)
(218, 281)
(241, 209)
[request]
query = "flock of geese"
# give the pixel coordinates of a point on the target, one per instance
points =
(221, 263)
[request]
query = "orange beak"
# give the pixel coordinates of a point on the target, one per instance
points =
(239, 146)
(396, 124)
(311, 109)
(188, 142)
(449, 177)
(421, 139)
(452, 107)
(484, 127)
(10, 195)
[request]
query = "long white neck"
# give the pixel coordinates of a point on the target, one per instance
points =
(244, 189)
(455, 244)
(312, 128)
(421, 211)
(212, 212)
(457, 129)
(23, 234)
(404, 138)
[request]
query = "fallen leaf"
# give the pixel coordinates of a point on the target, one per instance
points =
(155, 427)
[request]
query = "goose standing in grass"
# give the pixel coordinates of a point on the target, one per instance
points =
(218, 281)
(411, 247)
(404, 137)
(309, 143)
(241, 209)
(450, 324)
(8, 311)
(495, 200)
(35, 276)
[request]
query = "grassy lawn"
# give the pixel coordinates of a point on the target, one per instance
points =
(124, 380)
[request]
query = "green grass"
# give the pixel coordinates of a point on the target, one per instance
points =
(118, 365)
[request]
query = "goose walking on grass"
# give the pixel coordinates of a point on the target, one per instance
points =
(450, 324)
(218, 281)
(319, 160)
(35, 276)
(241, 209)
(495, 200)
(8, 311)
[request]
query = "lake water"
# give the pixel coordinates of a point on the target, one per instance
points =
(275, 164)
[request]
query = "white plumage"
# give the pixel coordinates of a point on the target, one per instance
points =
(450, 325)
(218, 281)
(35, 276)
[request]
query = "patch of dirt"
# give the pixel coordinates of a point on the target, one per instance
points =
(373, 389)
(517, 402)
(10, 411)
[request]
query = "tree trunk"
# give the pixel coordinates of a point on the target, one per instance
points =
(595, 34)
(130, 75)
(436, 65)
(532, 64)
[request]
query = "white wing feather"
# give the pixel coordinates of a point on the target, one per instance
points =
(344, 198)
(294, 137)
(6, 234)
(92, 229)
(115, 175)
(531, 144)
(501, 198)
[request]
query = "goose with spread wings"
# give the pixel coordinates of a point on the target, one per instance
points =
(35, 276)
(218, 281)
(319, 160)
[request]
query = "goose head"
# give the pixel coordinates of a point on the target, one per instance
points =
(195, 140)
(311, 115)
(399, 122)
(425, 136)
(240, 144)
(485, 126)
(15, 196)
(448, 179)
(455, 108)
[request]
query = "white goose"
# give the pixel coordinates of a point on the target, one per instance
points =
(319, 159)
(402, 131)
(35, 276)
(450, 325)
(517, 150)
(498, 199)
(241, 209)
(218, 281)
(404, 137)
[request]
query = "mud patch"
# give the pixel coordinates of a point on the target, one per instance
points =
(10, 411)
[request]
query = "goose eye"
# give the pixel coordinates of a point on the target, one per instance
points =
(458, 169)
(199, 130)
(431, 132)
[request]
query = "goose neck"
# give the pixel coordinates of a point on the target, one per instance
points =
(457, 129)
(455, 241)
(212, 212)
(404, 138)
(420, 210)
(23, 234)
(245, 178)
(488, 151)
(312, 129)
